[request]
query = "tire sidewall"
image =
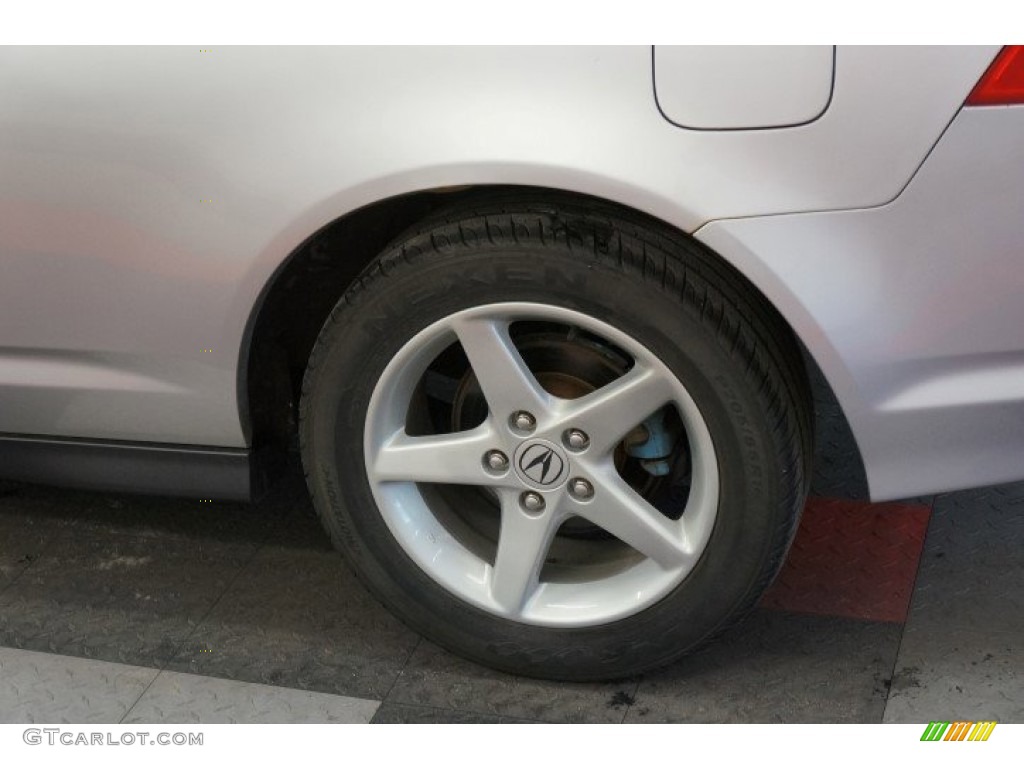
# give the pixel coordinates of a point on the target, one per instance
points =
(365, 332)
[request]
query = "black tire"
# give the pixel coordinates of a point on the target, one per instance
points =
(734, 355)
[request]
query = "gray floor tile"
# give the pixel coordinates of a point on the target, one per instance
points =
(182, 698)
(119, 597)
(961, 655)
(46, 688)
(985, 596)
(984, 525)
(958, 674)
(159, 517)
(409, 713)
(151, 516)
(131, 579)
(21, 544)
(26, 526)
(972, 570)
(298, 617)
(436, 678)
(777, 668)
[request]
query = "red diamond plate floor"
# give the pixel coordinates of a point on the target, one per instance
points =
(853, 560)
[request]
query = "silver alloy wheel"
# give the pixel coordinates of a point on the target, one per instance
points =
(520, 583)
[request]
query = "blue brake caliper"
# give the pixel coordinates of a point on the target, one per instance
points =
(655, 452)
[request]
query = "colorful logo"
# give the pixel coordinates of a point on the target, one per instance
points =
(958, 731)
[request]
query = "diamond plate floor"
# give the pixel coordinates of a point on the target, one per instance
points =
(120, 608)
(963, 645)
(50, 688)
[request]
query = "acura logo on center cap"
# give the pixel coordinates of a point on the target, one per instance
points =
(541, 464)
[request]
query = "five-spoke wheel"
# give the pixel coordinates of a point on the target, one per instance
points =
(544, 460)
(557, 439)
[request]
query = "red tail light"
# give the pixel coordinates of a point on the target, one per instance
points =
(1003, 81)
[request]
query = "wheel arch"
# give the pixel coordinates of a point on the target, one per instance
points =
(317, 272)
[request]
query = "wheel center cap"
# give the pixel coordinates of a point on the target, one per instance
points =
(541, 464)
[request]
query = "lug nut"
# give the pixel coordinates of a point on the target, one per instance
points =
(496, 461)
(576, 440)
(581, 489)
(532, 502)
(523, 421)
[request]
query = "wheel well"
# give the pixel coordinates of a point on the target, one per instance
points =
(296, 302)
(298, 298)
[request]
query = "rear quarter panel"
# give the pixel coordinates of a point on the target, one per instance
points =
(147, 196)
(913, 309)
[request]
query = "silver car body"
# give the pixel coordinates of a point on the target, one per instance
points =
(150, 197)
